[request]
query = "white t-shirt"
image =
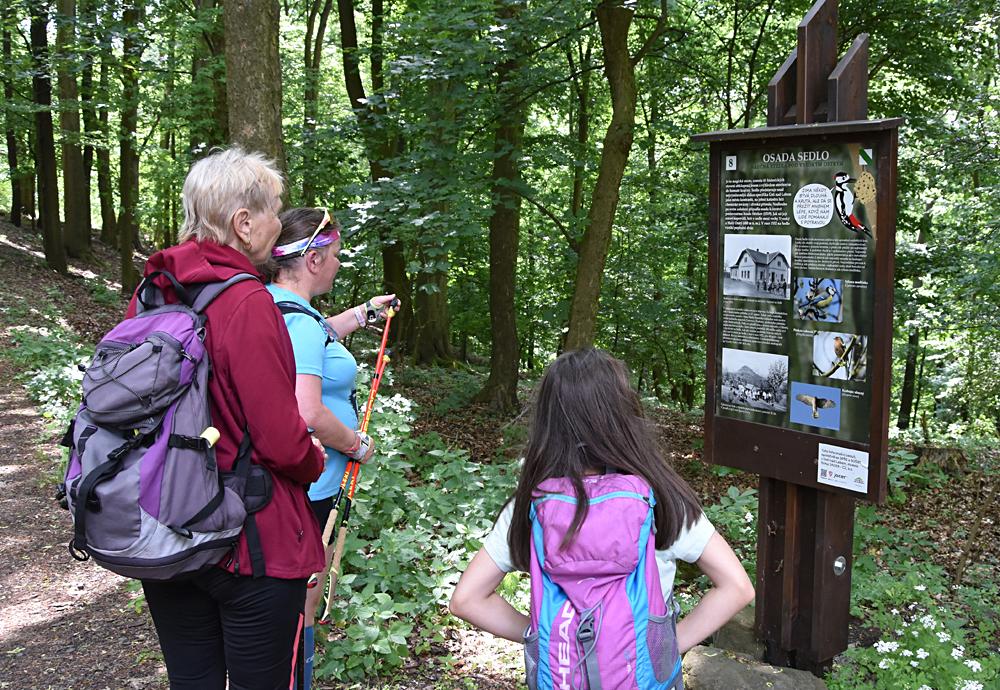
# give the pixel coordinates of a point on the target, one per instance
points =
(689, 546)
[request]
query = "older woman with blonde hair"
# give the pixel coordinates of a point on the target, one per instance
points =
(240, 620)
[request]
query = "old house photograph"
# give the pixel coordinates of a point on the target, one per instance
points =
(758, 266)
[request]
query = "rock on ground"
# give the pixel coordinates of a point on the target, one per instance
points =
(708, 668)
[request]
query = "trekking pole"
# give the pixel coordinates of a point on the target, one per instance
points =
(349, 481)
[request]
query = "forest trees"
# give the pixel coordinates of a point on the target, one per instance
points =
(48, 189)
(457, 144)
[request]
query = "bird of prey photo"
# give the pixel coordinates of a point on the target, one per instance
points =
(815, 403)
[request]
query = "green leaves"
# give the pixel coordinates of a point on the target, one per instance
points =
(421, 511)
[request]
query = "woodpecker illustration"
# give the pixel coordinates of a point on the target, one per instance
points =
(815, 403)
(843, 202)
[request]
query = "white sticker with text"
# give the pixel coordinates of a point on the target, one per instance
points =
(843, 467)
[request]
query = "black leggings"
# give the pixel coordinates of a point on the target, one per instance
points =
(216, 623)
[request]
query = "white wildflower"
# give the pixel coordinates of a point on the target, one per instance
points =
(895, 612)
(922, 654)
(928, 622)
(886, 646)
(971, 685)
(924, 687)
(748, 517)
(920, 588)
(884, 663)
(943, 637)
(906, 652)
(914, 664)
(958, 652)
(974, 665)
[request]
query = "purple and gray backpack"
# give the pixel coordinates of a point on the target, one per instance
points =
(142, 484)
(599, 620)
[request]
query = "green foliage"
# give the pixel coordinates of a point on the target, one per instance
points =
(906, 473)
(47, 359)
(735, 516)
(900, 594)
(421, 511)
(923, 645)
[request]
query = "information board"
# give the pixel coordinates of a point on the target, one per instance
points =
(800, 304)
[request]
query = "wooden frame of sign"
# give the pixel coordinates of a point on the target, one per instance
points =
(784, 444)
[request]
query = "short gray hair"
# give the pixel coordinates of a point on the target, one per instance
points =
(222, 183)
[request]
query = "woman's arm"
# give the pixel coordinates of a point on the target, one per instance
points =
(475, 600)
(326, 427)
(731, 591)
(347, 321)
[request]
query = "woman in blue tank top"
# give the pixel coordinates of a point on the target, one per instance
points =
(304, 264)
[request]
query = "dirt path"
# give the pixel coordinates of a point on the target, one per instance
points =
(65, 625)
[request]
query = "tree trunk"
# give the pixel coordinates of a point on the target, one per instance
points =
(912, 346)
(165, 181)
(253, 77)
(500, 390)
(45, 149)
(109, 222)
(128, 180)
(692, 333)
(26, 146)
(76, 229)
(88, 36)
(614, 21)
(209, 126)
(431, 320)
(581, 89)
(313, 61)
(920, 379)
(378, 148)
(9, 131)
(909, 377)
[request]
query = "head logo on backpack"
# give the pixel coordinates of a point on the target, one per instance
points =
(146, 496)
(598, 616)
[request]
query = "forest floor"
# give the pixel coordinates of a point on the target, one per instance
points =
(72, 626)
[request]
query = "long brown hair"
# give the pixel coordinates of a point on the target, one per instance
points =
(587, 418)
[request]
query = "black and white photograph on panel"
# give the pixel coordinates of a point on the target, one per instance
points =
(841, 356)
(757, 266)
(755, 380)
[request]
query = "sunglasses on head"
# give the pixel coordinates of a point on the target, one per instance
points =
(319, 228)
(300, 247)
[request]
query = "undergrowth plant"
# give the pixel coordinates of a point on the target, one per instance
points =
(933, 634)
(422, 509)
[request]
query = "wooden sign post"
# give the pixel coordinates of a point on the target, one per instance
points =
(801, 244)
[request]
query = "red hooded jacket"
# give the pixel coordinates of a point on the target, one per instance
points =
(253, 386)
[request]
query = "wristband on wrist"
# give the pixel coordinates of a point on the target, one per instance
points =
(362, 445)
(359, 316)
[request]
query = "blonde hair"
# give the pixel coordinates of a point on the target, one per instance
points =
(222, 183)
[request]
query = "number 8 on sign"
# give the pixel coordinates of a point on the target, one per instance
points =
(730, 162)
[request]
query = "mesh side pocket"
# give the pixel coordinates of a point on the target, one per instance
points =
(531, 659)
(661, 640)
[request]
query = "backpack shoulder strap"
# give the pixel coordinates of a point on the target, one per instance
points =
(289, 307)
(149, 295)
(210, 291)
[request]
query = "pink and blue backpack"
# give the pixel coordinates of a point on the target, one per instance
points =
(599, 620)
